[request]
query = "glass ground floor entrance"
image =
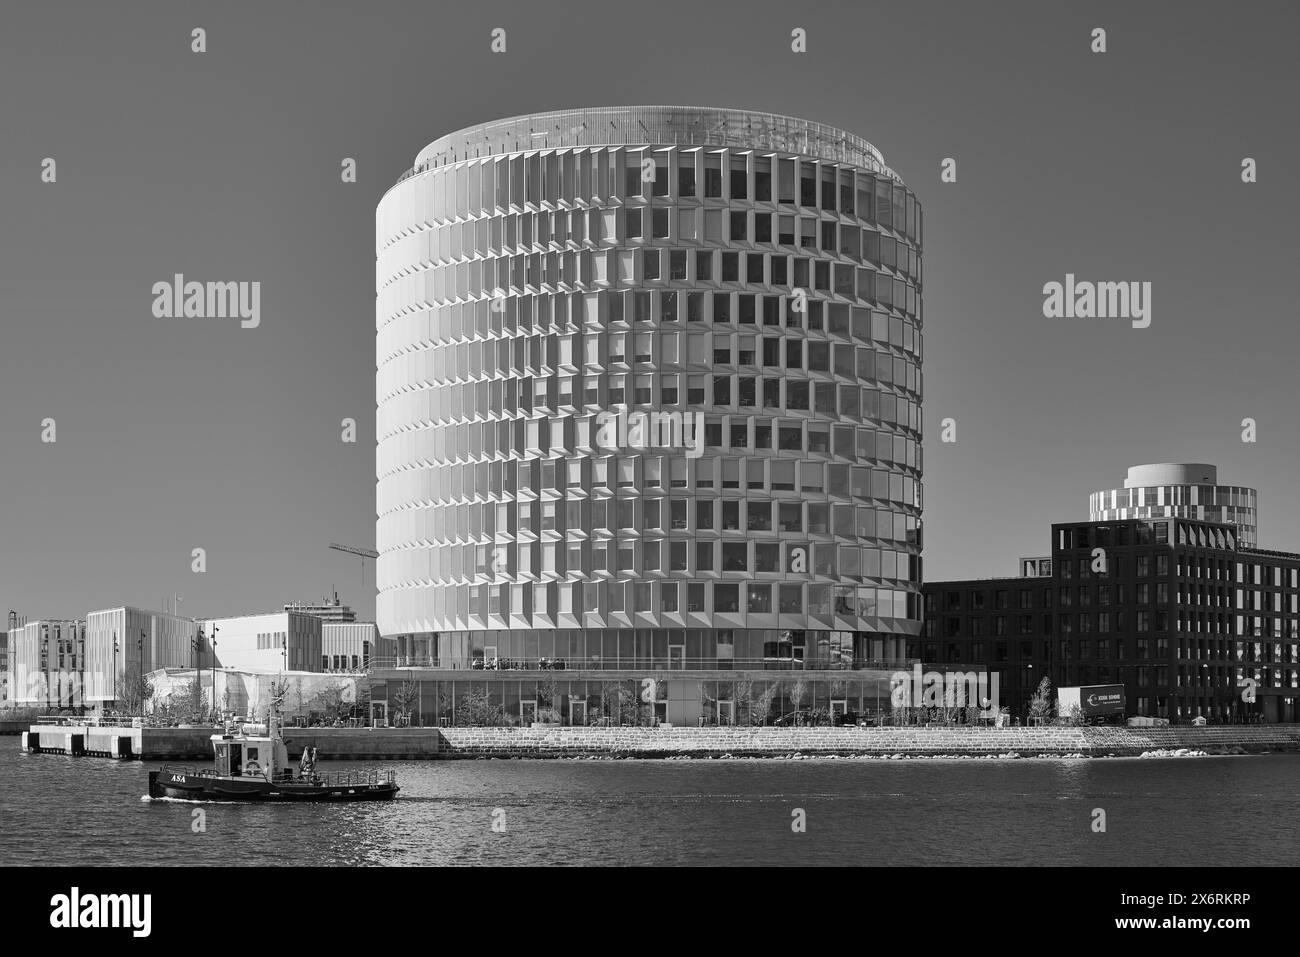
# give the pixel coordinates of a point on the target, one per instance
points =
(431, 697)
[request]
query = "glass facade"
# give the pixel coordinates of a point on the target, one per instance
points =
(567, 699)
(668, 382)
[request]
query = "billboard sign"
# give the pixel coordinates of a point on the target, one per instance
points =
(1093, 700)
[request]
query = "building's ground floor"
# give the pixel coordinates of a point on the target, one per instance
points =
(1221, 705)
(1277, 709)
(906, 691)
(433, 697)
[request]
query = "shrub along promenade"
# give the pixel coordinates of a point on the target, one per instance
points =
(406, 744)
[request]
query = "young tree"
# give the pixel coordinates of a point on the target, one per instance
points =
(361, 708)
(192, 700)
(404, 697)
(477, 709)
(329, 702)
(132, 689)
(954, 701)
(760, 711)
(546, 691)
(1041, 705)
(708, 705)
(747, 704)
(798, 694)
(444, 703)
(628, 708)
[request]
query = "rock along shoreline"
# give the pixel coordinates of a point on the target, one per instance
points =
(864, 744)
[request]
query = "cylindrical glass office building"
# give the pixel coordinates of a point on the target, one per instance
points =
(649, 395)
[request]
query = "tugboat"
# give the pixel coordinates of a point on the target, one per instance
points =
(252, 765)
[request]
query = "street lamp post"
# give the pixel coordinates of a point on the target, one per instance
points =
(196, 645)
(215, 629)
(81, 671)
(45, 655)
(12, 625)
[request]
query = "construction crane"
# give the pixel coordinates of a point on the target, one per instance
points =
(354, 550)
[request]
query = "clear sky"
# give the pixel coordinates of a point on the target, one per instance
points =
(224, 165)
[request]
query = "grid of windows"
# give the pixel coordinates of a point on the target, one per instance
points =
(764, 306)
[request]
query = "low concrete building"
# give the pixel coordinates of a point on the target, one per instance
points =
(279, 641)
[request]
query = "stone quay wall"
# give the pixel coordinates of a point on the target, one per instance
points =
(879, 742)
(410, 744)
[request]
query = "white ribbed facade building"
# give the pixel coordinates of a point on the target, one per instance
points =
(541, 276)
(125, 639)
(347, 645)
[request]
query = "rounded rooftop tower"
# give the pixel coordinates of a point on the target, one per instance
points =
(1181, 490)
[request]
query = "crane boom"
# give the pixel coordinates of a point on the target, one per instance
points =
(354, 550)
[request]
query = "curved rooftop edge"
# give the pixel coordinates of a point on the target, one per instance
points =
(652, 125)
(1172, 473)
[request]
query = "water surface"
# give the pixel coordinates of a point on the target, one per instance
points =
(1191, 811)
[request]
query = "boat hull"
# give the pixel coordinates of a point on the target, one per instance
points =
(206, 787)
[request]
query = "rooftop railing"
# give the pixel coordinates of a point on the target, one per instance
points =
(148, 721)
(116, 721)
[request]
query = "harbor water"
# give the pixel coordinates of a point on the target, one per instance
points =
(1206, 811)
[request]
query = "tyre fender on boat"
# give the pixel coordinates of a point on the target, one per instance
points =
(252, 767)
